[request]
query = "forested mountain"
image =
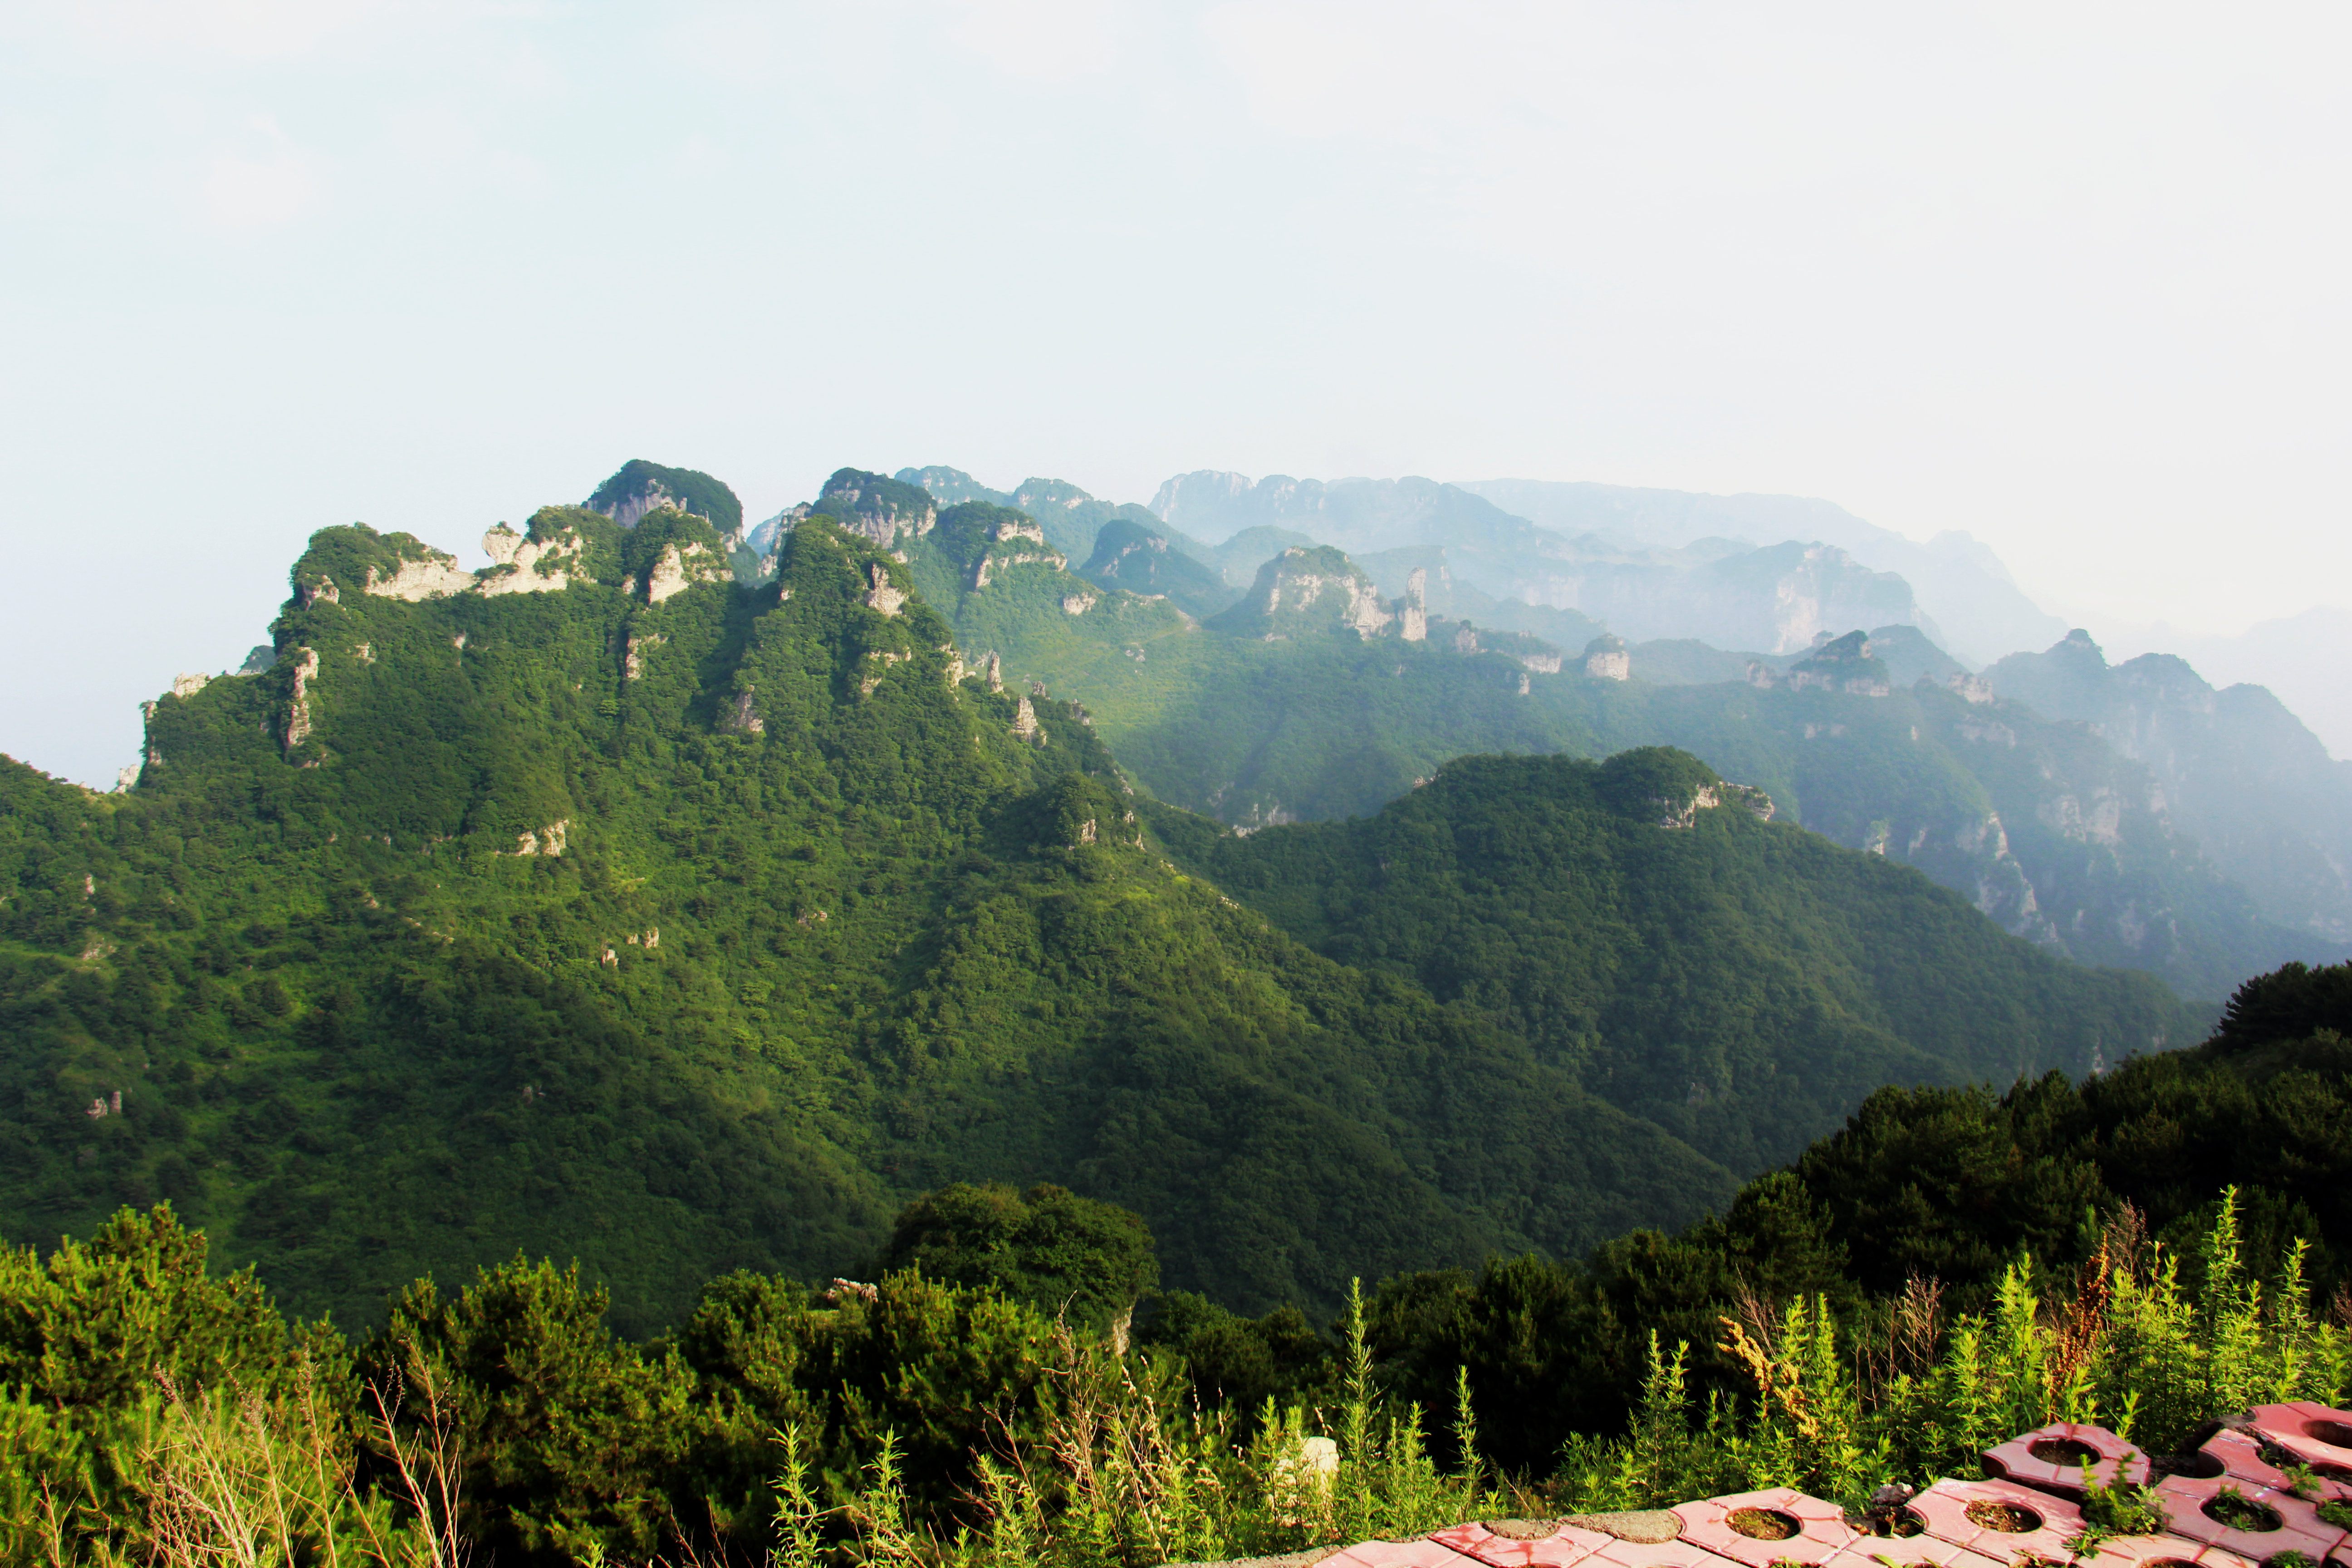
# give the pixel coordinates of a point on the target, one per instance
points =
(2236, 769)
(1308, 700)
(1742, 985)
(600, 904)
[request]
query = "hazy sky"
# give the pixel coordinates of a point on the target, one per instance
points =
(2071, 277)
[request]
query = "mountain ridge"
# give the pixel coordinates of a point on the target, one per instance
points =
(682, 923)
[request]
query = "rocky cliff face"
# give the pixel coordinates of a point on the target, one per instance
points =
(1847, 664)
(883, 510)
(2232, 768)
(1959, 581)
(1303, 591)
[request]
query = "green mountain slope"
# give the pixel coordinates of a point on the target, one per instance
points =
(1305, 701)
(597, 905)
(1742, 983)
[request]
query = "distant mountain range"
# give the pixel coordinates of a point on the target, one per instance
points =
(683, 899)
(1270, 678)
(1967, 596)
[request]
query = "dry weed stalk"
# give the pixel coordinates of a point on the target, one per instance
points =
(2078, 1327)
(427, 1467)
(1771, 1368)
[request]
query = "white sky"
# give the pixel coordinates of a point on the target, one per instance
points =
(2071, 277)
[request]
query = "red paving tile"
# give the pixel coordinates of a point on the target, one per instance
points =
(2318, 1435)
(1921, 1551)
(2241, 1460)
(1395, 1555)
(1564, 1548)
(1943, 1508)
(2160, 1552)
(2185, 1497)
(1821, 1530)
(2017, 1460)
(1658, 1554)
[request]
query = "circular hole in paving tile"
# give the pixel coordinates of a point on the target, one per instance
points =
(2169, 1562)
(1762, 1524)
(2335, 1434)
(2242, 1512)
(2200, 1466)
(2009, 1516)
(2289, 1560)
(1906, 1523)
(2063, 1451)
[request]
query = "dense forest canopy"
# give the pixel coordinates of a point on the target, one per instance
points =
(2186, 1211)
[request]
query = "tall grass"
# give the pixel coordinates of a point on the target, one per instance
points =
(223, 1479)
(1128, 1471)
(2125, 1345)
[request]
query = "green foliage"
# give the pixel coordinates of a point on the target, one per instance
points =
(570, 1432)
(2128, 1346)
(2120, 1508)
(1063, 1254)
(919, 1420)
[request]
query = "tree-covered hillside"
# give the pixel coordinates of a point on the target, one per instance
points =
(602, 907)
(2039, 823)
(1740, 983)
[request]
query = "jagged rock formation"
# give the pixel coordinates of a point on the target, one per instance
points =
(883, 510)
(1303, 591)
(1413, 610)
(1010, 540)
(2232, 768)
(298, 712)
(1726, 591)
(681, 566)
(1845, 664)
(430, 575)
(520, 563)
(1606, 659)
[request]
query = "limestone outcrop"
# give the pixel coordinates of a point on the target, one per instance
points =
(1413, 610)
(298, 713)
(742, 715)
(431, 575)
(883, 510)
(680, 568)
(523, 566)
(547, 841)
(1606, 657)
(1309, 589)
(1685, 813)
(884, 597)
